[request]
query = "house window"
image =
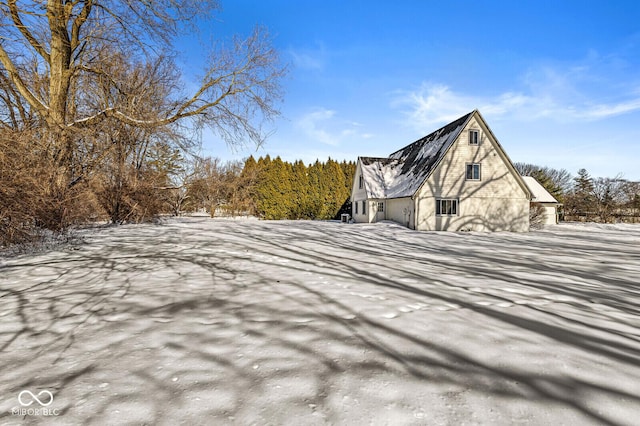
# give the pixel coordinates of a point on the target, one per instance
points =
(446, 207)
(380, 207)
(364, 207)
(355, 205)
(360, 182)
(474, 137)
(473, 171)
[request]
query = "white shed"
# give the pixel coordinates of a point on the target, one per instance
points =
(542, 197)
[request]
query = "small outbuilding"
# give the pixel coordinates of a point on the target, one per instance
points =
(542, 198)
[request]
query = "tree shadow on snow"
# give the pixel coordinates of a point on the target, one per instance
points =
(280, 322)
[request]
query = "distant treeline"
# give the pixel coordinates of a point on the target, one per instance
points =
(144, 180)
(271, 188)
(588, 199)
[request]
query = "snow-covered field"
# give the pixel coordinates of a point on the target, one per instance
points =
(201, 321)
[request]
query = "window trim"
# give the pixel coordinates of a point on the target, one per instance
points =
(466, 171)
(364, 207)
(477, 133)
(355, 207)
(454, 207)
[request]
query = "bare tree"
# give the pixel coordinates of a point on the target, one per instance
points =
(133, 184)
(557, 181)
(98, 76)
(216, 186)
(631, 197)
(70, 43)
(608, 194)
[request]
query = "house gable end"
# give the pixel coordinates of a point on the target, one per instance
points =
(475, 121)
(374, 175)
(358, 193)
(415, 162)
(500, 150)
(405, 172)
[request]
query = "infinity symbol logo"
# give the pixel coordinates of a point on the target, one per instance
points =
(35, 398)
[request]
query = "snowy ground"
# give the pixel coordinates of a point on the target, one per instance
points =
(202, 321)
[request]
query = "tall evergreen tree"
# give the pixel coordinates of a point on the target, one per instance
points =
(349, 170)
(337, 192)
(583, 182)
(295, 191)
(316, 190)
(581, 199)
(282, 175)
(263, 192)
(249, 178)
(300, 193)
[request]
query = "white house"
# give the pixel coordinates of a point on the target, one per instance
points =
(456, 178)
(540, 196)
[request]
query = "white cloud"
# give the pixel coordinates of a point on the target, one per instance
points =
(604, 110)
(322, 125)
(306, 61)
(309, 59)
(561, 95)
(434, 104)
(311, 124)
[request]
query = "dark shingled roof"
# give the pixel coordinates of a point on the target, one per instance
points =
(402, 174)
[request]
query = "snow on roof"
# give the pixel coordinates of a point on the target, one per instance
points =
(374, 172)
(402, 174)
(538, 193)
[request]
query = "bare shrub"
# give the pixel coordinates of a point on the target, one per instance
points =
(536, 216)
(134, 199)
(31, 199)
(20, 190)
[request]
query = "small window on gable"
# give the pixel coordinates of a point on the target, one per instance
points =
(446, 207)
(360, 182)
(473, 171)
(474, 137)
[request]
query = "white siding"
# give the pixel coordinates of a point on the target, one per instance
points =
(363, 215)
(550, 214)
(497, 202)
(476, 214)
(357, 196)
(400, 210)
(372, 211)
(357, 192)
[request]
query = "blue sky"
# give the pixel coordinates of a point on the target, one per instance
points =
(557, 81)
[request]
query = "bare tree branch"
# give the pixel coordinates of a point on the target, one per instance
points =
(21, 86)
(238, 90)
(17, 22)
